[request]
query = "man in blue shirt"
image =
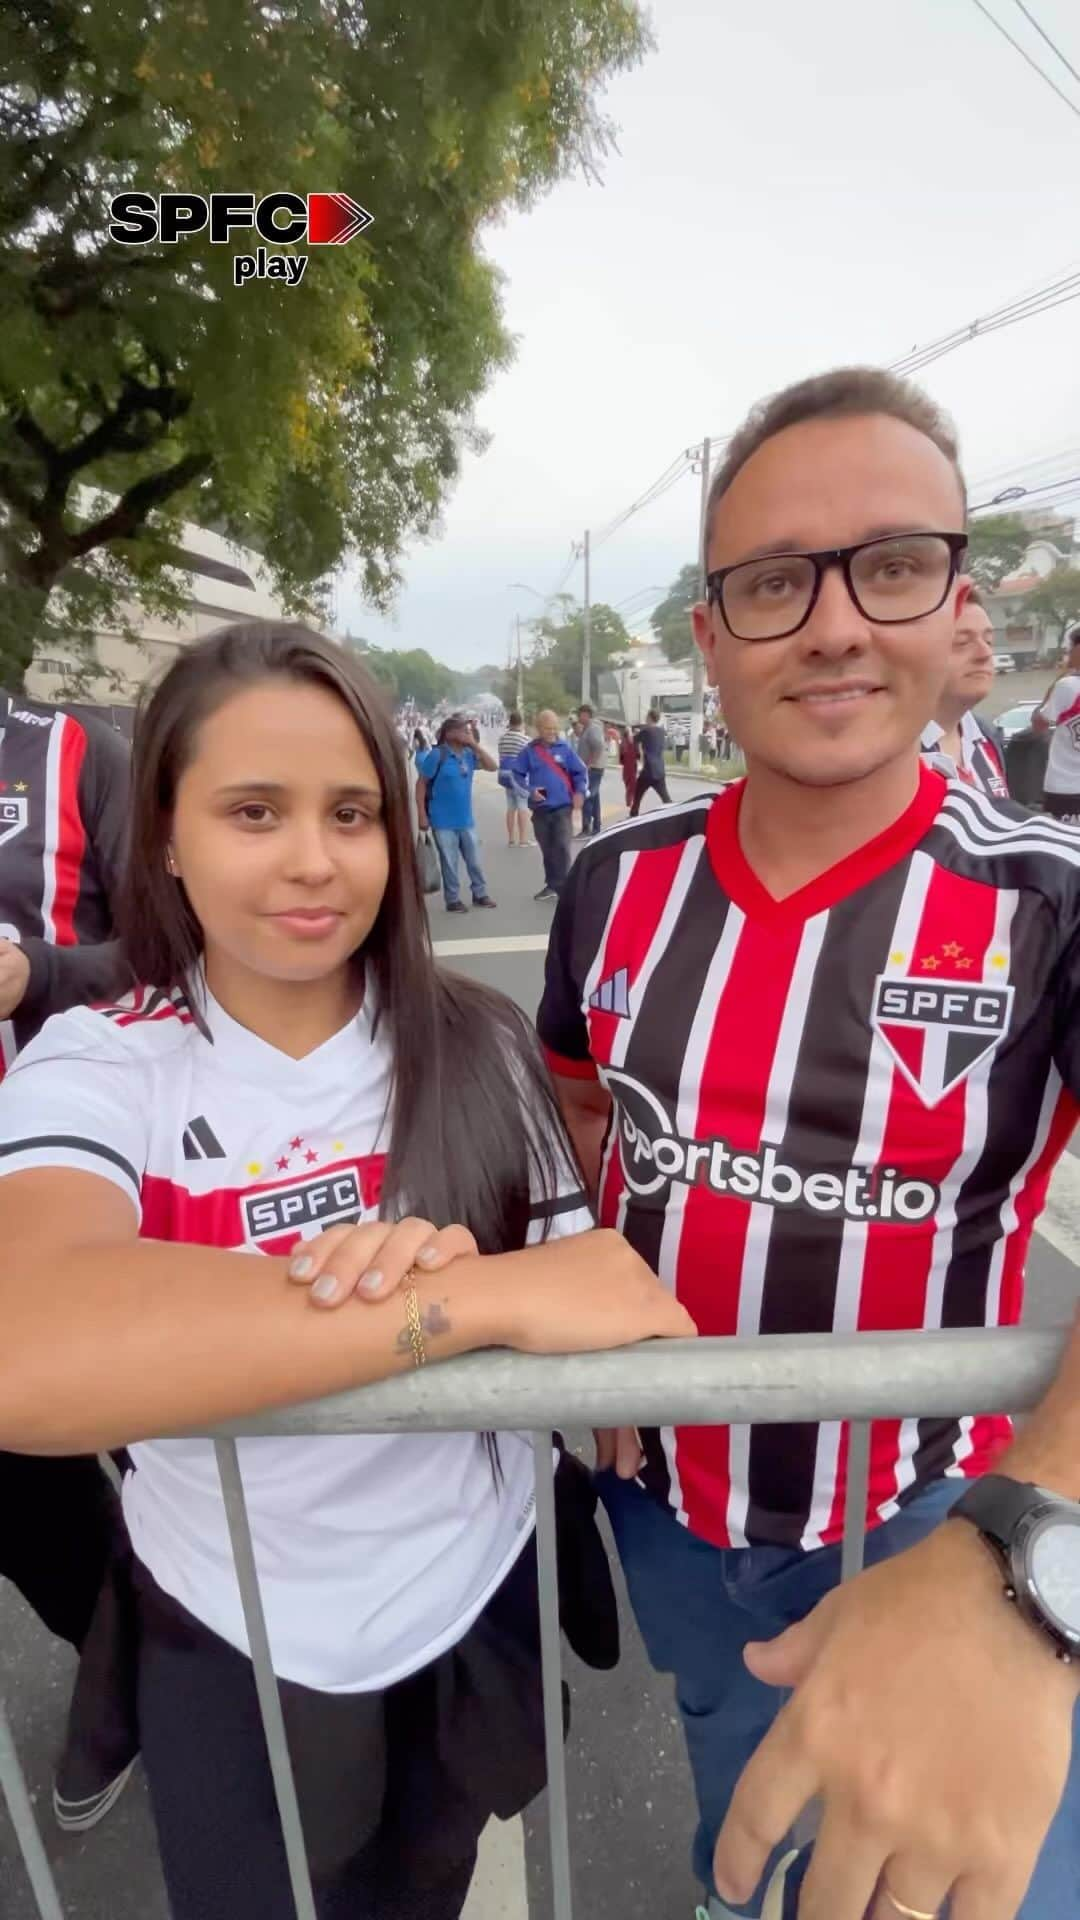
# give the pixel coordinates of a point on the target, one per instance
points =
(557, 783)
(444, 803)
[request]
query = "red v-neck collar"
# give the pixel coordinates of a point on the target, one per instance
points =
(741, 884)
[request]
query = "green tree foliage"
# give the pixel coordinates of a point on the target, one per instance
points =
(997, 543)
(139, 387)
(670, 621)
(1057, 602)
(559, 645)
(542, 688)
(409, 675)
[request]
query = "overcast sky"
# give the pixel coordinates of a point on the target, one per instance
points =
(796, 186)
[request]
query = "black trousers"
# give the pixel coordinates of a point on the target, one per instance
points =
(645, 780)
(551, 826)
(394, 1787)
(57, 1518)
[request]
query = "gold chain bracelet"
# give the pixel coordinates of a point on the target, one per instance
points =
(416, 1331)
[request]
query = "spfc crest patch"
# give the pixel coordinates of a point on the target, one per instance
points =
(938, 1030)
(14, 814)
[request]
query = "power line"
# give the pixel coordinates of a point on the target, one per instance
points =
(1029, 493)
(1025, 55)
(1052, 44)
(1055, 294)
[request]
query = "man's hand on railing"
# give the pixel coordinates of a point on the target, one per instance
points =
(936, 1725)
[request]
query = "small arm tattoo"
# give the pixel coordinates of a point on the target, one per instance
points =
(433, 1320)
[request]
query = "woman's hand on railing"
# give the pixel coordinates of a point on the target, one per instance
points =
(373, 1260)
(584, 1293)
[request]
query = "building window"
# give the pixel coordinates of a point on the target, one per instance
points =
(47, 665)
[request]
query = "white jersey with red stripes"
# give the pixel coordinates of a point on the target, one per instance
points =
(1063, 710)
(833, 1113)
(375, 1552)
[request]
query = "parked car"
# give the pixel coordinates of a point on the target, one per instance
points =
(1015, 719)
(1004, 663)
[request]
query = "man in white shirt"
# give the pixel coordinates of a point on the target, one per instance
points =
(1059, 715)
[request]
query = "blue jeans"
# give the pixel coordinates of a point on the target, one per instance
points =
(451, 841)
(590, 813)
(697, 1606)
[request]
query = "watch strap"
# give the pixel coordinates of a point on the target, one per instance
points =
(996, 1505)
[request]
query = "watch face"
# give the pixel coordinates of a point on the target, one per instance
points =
(1053, 1561)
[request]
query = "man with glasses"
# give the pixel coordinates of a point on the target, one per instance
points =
(818, 1041)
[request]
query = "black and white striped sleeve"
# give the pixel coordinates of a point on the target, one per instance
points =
(75, 1098)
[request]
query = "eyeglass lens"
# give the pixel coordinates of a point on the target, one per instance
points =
(890, 580)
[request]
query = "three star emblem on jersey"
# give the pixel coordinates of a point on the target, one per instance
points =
(613, 994)
(14, 813)
(938, 1030)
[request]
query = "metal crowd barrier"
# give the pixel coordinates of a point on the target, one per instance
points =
(799, 1377)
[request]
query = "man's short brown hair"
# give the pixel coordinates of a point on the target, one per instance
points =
(845, 392)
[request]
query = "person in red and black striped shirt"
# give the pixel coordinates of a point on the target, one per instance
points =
(64, 790)
(818, 1040)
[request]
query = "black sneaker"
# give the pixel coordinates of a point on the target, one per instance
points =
(457, 906)
(78, 1816)
(546, 893)
(487, 901)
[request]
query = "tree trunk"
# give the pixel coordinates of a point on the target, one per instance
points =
(23, 617)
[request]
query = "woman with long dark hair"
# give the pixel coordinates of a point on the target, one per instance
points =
(292, 1077)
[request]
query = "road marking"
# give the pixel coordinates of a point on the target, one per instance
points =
(499, 943)
(1059, 1223)
(498, 1885)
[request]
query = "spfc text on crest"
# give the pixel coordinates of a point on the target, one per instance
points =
(939, 1030)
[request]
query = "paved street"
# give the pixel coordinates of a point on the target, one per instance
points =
(630, 1801)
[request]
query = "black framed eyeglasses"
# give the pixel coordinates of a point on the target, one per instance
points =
(900, 577)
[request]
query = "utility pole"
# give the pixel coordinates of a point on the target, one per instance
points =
(520, 678)
(697, 691)
(586, 651)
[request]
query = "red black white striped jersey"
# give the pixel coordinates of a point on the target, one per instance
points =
(832, 1113)
(1062, 709)
(375, 1552)
(64, 795)
(981, 763)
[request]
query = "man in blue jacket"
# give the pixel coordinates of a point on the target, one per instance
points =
(557, 783)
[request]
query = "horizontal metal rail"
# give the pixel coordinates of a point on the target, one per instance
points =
(776, 1378)
(702, 1383)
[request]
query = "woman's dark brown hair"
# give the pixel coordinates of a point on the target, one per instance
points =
(467, 1069)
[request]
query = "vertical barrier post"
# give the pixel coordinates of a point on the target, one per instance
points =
(30, 1842)
(232, 1488)
(858, 1481)
(551, 1654)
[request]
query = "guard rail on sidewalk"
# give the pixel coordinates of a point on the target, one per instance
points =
(798, 1377)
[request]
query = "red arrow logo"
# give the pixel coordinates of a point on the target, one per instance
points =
(333, 219)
